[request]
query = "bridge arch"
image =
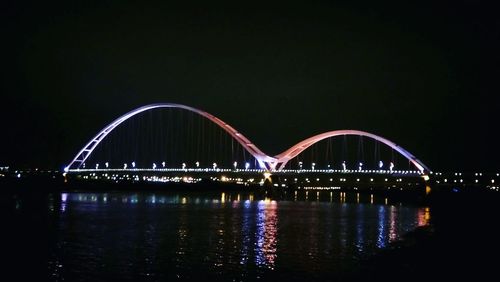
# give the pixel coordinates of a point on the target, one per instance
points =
(298, 148)
(87, 150)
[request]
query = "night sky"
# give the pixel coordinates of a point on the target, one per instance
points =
(422, 74)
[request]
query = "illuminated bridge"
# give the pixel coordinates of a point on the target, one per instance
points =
(171, 142)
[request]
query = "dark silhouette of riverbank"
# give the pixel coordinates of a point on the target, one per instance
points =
(462, 242)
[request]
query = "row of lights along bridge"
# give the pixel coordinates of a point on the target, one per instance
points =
(247, 167)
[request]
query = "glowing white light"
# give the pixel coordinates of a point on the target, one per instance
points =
(163, 164)
(154, 166)
(267, 175)
(66, 169)
(96, 166)
(133, 164)
(235, 164)
(197, 164)
(183, 165)
(360, 166)
(124, 166)
(344, 168)
(313, 165)
(300, 165)
(247, 165)
(106, 164)
(214, 165)
(380, 164)
(391, 166)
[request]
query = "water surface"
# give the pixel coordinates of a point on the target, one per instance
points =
(224, 236)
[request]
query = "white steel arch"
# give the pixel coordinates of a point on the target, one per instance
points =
(298, 148)
(85, 152)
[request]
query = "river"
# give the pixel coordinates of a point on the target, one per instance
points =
(230, 236)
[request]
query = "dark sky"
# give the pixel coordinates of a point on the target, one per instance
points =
(422, 74)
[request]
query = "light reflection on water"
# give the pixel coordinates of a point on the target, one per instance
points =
(229, 235)
(266, 235)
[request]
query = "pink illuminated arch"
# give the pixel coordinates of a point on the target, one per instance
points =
(85, 152)
(298, 148)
